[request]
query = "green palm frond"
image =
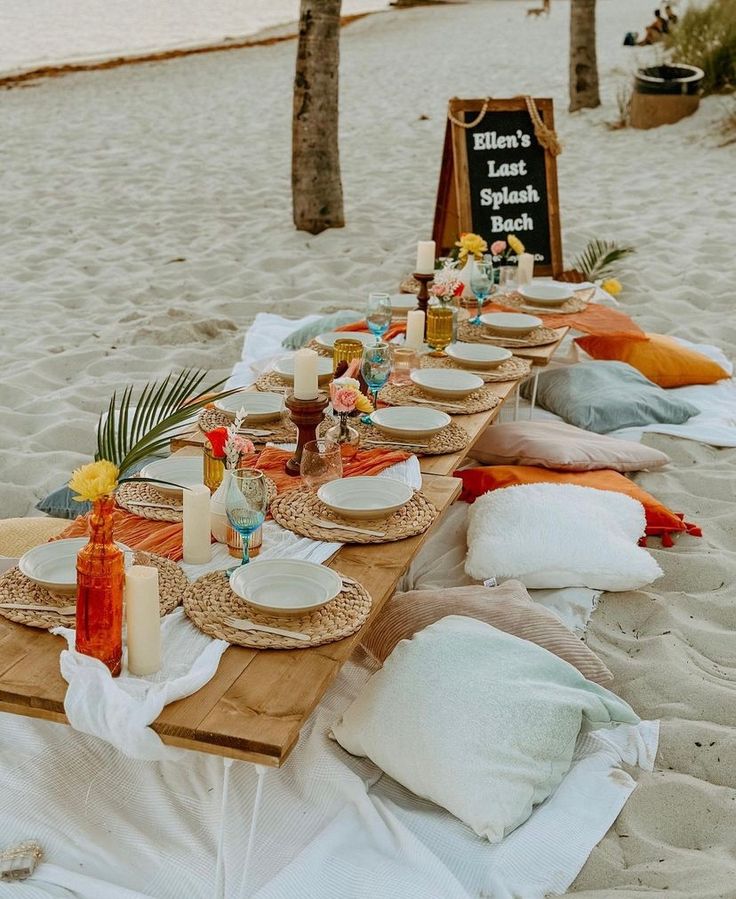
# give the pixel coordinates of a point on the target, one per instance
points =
(129, 432)
(599, 258)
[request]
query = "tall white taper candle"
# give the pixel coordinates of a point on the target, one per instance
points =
(143, 619)
(197, 548)
(425, 257)
(415, 328)
(305, 374)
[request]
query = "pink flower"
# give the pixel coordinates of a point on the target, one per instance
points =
(497, 247)
(343, 399)
(242, 445)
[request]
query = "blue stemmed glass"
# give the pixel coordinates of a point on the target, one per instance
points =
(481, 282)
(375, 368)
(378, 314)
(246, 502)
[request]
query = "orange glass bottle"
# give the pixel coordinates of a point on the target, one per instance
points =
(100, 578)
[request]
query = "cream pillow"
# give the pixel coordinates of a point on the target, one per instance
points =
(476, 720)
(559, 535)
(507, 607)
(554, 444)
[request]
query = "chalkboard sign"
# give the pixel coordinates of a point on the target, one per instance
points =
(497, 179)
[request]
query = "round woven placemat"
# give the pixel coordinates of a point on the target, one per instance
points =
(17, 588)
(481, 400)
(272, 382)
(409, 285)
(209, 601)
(477, 333)
(129, 495)
(281, 430)
(451, 439)
(512, 369)
(318, 348)
(519, 303)
(297, 510)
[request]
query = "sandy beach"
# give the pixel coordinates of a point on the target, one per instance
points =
(145, 218)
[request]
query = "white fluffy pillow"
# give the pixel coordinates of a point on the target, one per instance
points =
(559, 535)
(479, 721)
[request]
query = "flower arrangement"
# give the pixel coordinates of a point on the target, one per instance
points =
(505, 251)
(470, 244)
(93, 481)
(612, 286)
(347, 399)
(446, 285)
(228, 444)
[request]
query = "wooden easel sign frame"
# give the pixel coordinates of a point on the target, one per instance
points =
(497, 179)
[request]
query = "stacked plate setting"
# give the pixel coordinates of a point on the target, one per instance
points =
(362, 498)
(546, 293)
(54, 565)
(447, 383)
(258, 406)
(285, 586)
(476, 355)
(410, 422)
(511, 324)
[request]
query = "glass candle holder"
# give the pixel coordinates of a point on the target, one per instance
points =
(439, 328)
(405, 361)
(345, 350)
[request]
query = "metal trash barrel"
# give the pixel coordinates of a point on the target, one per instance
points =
(665, 94)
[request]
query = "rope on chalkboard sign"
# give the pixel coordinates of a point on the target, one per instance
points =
(546, 136)
(476, 121)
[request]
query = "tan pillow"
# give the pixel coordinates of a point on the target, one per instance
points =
(507, 607)
(554, 444)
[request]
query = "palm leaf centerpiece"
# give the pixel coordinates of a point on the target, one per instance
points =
(599, 258)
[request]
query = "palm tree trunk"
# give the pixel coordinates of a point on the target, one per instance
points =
(315, 157)
(583, 62)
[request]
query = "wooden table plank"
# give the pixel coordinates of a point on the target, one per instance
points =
(542, 355)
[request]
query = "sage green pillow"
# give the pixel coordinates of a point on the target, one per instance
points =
(301, 337)
(606, 396)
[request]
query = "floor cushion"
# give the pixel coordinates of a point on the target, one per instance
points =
(554, 444)
(662, 359)
(559, 535)
(507, 607)
(660, 520)
(476, 720)
(606, 396)
(322, 325)
(18, 535)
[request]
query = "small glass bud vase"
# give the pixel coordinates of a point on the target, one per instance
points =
(213, 468)
(441, 325)
(345, 436)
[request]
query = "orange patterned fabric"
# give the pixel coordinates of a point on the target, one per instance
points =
(394, 330)
(594, 319)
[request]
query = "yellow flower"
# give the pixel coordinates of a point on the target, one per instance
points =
(516, 245)
(471, 243)
(363, 404)
(94, 480)
(612, 286)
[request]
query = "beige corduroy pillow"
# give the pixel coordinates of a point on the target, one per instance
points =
(507, 607)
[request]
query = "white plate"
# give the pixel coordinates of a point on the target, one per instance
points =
(477, 355)
(406, 422)
(54, 565)
(402, 303)
(365, 497)
(446, 382)
(328, 340)
(184, 471)
(285, 368)
(259, 406)
(546, 293)
(511, 323)
(285, 586)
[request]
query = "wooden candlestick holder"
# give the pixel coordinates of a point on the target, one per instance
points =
(423, 295)
(307, 416)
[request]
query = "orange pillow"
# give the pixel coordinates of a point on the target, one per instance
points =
(659, 358)
(661, 521)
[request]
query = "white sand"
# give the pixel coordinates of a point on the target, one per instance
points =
(146, 217)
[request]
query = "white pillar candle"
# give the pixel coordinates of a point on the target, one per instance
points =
(197, 549)
(425, 257)
(143, 619)
(415, 328)
(525, 272)
(305, 374)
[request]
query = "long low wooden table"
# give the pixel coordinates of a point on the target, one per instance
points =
(257, 703)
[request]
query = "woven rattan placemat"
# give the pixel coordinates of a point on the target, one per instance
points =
(272, 382)
(513, 369)
(130, 494)
(451, 439)
(517, 302)
(280, 430)
(482, 334)
(209, 601)
(298, 510)
(15, 587)
(481, 400)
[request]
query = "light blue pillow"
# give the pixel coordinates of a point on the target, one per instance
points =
(303, 335)
(606, 396)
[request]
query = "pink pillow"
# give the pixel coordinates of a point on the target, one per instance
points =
(507, 607)
(554, 444)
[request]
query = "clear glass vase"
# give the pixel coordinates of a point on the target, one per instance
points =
(345, 436)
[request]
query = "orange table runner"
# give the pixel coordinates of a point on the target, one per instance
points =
(394, 330)
(594, 319)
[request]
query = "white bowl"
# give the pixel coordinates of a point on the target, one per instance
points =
(182, 471)
(328, 340)
(285, 368)
(515, 324)
(477, 355)
(402, 304)
(285, 586)
(54, 565)
(364, 497)
(406, 422)
(546, 293)
(446, 382)
(259, 406)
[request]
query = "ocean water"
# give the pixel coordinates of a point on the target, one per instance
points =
(37, 33)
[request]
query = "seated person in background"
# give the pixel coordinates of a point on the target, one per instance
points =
(656, 31)
(672, 17)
